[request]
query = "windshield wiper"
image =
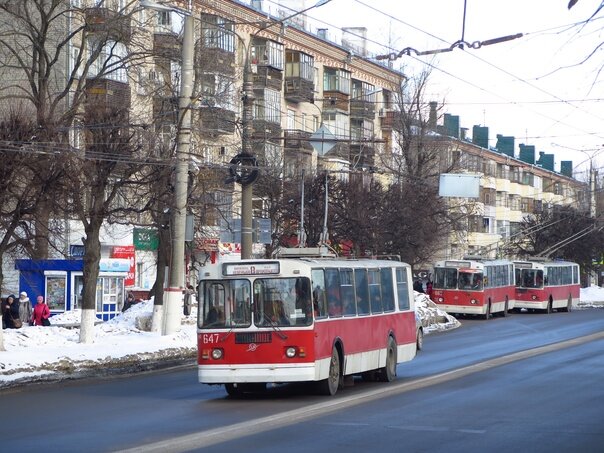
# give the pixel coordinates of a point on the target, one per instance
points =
(274, 326)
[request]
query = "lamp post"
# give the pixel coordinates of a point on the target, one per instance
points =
(247, 130)
(176, 277)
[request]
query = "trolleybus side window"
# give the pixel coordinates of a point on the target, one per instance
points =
(347, 292)
(375, 295)
(334, 298)
(318, 293)
(387, 289)
(575, 275)
(281, 302)
(402, 288)
(362, 295)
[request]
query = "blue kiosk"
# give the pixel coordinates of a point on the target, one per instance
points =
(61, 282)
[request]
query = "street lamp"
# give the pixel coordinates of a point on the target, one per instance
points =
(174, 292)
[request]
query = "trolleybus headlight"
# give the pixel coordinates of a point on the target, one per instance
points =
(473, 301)
(290, 352)
(534, 297)
(440, 299)
(217, 354)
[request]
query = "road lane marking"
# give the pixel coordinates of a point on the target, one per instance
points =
(238, 430)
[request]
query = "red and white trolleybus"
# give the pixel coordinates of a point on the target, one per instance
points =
(546, 285)
(474, 287)
(304, 319)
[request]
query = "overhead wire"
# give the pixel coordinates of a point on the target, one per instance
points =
(557, 121)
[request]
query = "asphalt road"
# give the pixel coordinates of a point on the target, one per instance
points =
(484, 386)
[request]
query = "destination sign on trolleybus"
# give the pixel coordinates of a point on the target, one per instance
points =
(250, 268)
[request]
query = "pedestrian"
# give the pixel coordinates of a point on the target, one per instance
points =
(129, 302)
(429, 289)
(10, 313)
(25, 309)
(189, 300)
(417, 286)
(41, 313)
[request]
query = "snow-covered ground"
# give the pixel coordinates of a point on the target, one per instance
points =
(43, 353)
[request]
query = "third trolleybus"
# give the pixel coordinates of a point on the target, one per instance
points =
(304, 320)
(546, 285)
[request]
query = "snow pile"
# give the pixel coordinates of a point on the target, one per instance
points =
(592, 296)
(36, 353)
(432, 317)
(33, 352)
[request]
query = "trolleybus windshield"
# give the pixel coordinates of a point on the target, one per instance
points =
(450, 278)
(274, 302)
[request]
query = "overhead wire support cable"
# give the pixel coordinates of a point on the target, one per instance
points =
(461, 44)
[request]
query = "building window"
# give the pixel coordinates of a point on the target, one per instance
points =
(361, 130)
(218, 91)
(337, 123)
(268, 109)
(164, 19)
(363, 91)
(336, 80)
(217, 33)
(267, 53)
(298, 64)
(291, 119)
(110, 63)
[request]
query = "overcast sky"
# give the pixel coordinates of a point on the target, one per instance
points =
(519, 88)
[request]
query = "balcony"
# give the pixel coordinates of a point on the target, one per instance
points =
(165, 109)
(106, 94)
(335, 100)
(213, 59)
(298, 89)
(166, 46)
(214, 121)
(387, 119)
(108, 22)
(297, 140)
(361, 109)
(265, 130)
(267, 77)
(362, 154)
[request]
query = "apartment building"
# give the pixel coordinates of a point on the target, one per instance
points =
(512, 187)
(123, 56)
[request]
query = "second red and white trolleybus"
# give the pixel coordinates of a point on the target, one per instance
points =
(474, 287)
(546, 285)
(303, 320)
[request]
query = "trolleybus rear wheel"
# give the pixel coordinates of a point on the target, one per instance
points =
(420, 339)
(388, 373)
(330, 385)
(569, 305)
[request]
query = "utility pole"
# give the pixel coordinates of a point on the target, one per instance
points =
(176, 282)
(247, 154)
(172, 309)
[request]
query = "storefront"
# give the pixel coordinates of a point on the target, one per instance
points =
(61, 282)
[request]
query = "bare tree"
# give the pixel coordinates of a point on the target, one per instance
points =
(107, 184)
(549, 229)
(415, 219)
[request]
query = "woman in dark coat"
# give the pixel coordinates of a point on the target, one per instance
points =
(10, 312)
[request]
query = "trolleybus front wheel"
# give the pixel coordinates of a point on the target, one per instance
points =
(330, 385)
(487, 315)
